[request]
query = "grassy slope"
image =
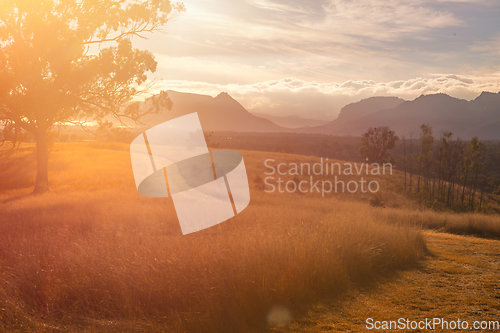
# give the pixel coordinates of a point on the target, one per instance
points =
(459, 280)
(95, 254)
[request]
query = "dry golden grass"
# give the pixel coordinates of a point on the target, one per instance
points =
(94, 255)
(458, 281)
(481, 225)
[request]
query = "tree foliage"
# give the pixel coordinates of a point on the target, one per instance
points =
(376, 143)
(73, 61)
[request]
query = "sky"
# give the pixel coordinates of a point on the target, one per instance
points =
(310, 58)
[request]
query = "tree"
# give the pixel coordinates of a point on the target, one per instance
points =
(411, 156)
(50, 74)
(444, 160)
(11, 133)
(425, 157)
(404, 158)
(450, 156)
(477, 157)
(472, 164)
(376, 143)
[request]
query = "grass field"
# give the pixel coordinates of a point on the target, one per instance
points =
(458, 280)
(94, 255)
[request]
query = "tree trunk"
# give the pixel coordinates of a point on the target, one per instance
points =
(411, 151)
(404, 159)
(433, 185)
(482, 191)
(473, 191)
(410, 171)
(448, 197)
(419, 170)
(463, 189)
(42, 161)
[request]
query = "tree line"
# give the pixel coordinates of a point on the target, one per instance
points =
(442, 172)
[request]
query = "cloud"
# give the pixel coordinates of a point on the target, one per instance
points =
(333, 51)
(275, 6)
(382, 20)
(278, 26)
(324, 100)
(247, 41)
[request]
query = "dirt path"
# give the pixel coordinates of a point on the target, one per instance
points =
(461, 280)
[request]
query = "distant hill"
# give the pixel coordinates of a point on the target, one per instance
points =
(291, 121)
(479, 117)
(354, 111)
(364, 107)
(221, 113)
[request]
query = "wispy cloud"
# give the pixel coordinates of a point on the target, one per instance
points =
(489, 47)
(381, 20)
(288, 7)
(299, 25)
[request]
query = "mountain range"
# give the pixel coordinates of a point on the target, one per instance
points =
(479, 117)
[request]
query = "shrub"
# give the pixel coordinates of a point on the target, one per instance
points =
(376, 200)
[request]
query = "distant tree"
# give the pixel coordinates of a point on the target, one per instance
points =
(443, 161)
(49, 74)
(454, 160)
(9, 132)
(376, 143)
(484, 182)
(208, 139)
(404, 158)
(120, 134)
(477, 165)
(472, 164)
(411, 157)
(425, 157)
(462, 171)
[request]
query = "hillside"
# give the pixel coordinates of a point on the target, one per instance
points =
(354, 111)
(221, 113)
(459, 280)
(479, 117)
(95, 256)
